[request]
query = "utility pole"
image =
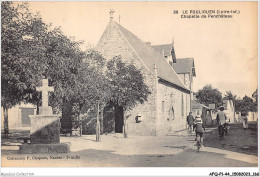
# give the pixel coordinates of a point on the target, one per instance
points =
(234, 109)
(98, 124)
(124, 126)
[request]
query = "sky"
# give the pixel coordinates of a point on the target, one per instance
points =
(224, 49)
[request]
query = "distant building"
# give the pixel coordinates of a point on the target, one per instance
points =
(255, 96)
(167, 50)
(18, 116)
(229, 110)
(251, 116)
(212, 106)
(203, 111)
(184, 67)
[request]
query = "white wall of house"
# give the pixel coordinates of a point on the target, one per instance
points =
(15, 116)
(252, 116)
(187, 80)
(230, 111)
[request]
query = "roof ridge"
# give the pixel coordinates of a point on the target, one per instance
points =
(138, 38)
(148, 55)
(130, 44)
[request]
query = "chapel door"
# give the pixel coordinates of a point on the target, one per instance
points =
(119, 119)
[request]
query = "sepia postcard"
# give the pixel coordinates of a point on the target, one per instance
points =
(130, 84)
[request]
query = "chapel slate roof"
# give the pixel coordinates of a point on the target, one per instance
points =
(150, 56)
(184, 65)
(165, 48)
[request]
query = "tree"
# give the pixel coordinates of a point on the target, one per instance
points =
(245, 105)
(19, 74)
(230, 96)
(93, 87)
(208, 95)
(127, 86)
(30, 51)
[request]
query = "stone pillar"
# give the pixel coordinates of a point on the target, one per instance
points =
(45, 129)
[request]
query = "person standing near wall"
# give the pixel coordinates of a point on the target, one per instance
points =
(190, 122)
(245, 120)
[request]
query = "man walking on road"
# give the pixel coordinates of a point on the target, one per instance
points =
(221, 119)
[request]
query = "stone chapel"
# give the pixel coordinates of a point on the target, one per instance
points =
(169, 101)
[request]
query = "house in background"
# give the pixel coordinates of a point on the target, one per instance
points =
(18, 116)
(203, 111)
(168, 104)
(229, 110)
(253, 116)
(167, 50)
(184, 67)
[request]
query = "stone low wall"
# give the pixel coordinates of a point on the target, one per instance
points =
(45, 129)
(44, 148)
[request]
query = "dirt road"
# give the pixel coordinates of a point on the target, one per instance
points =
(239, 149)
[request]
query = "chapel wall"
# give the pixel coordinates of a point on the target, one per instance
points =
(112, 44)
(172, 116)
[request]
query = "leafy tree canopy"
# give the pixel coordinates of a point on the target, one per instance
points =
(32, 50)
(127, 84)
(209, 95)
(230, 96)
(245, 105)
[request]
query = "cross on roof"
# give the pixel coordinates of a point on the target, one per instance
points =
(45, 89)
(111, 12)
